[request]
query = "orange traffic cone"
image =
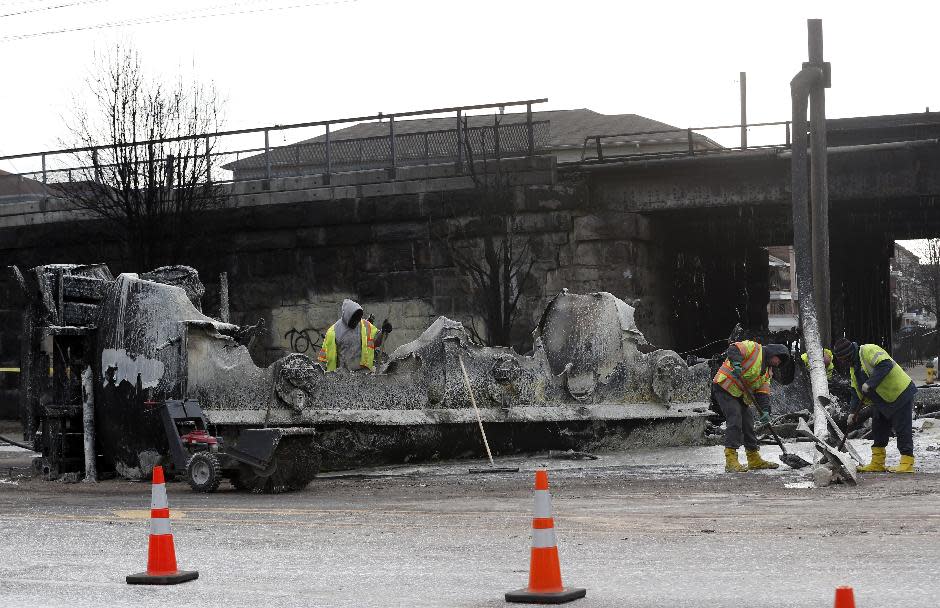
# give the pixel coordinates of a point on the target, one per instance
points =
(544, 569)
(845, 597)
(161, 556)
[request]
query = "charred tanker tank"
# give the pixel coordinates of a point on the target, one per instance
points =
(158, 364)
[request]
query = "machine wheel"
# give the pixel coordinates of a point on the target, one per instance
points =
(203, 472)
(296, 462)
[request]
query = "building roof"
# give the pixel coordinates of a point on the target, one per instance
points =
(567, 129)
(12, 184)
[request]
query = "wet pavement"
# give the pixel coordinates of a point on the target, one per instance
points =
(654, 527)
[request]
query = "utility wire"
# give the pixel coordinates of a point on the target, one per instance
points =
(51, 8)
(186, 15)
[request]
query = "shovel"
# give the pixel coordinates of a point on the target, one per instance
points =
(841, 460)
(840, 436)
(794, 461)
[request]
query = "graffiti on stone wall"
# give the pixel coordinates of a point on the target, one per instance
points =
(304, 340)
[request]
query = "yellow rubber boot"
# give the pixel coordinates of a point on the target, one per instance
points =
(731, 462)
(906, 466)
(877, 464)
(754, 461)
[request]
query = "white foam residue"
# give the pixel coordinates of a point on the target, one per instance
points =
(799, 485)
(150, 370)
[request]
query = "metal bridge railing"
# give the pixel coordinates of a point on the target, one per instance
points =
(691, 141)
(227, 156)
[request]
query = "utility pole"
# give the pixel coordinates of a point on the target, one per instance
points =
(743, 81)
(819, 183)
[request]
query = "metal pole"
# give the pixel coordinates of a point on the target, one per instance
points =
(600, 152)
(528, 122)
(329, 157)
(88, 425)
(208, 161)
(743, 80)
(44, 168)
(820, 185)
(223, 297)
(267, 154)
(391, 143)
(788, 134)
(496, 147)
(800, 88)
(459, 141)
(689, 131)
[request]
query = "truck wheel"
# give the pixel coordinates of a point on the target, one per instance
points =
(203, 472)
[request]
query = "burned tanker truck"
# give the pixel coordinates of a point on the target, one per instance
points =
(125, 373)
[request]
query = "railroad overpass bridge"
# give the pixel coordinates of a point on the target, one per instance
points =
(679, 232)
(716, 212)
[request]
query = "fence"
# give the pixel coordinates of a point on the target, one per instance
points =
(410, 149)
(227, 156)
(684, 142)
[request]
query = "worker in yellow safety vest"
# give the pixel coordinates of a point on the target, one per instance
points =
(352, 340)
(827, 359)
(880, 383)
(743, 381)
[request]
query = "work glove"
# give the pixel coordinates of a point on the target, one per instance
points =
(764, 417)
(736, 366)
(850, 421)
(865, 388)
(386, 327)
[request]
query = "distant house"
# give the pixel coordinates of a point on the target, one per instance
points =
(16, 188)
(434, 141)
(783, 309)
(908, 292)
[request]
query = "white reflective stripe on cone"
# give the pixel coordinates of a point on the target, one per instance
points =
(159, 525)
(543, 537)
(543, 504)
(158, 497)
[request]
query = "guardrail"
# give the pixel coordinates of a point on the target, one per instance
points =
(680, 142)
(223, 159)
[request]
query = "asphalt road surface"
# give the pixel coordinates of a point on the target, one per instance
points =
(652, 528)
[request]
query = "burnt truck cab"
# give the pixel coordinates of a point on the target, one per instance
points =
(147, 355)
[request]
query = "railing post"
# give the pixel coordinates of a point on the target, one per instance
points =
(44, 168)
(329, 157)
(427, 150)
(691, 149)
(459, 141)
(528, 122)
(600, 152)
(391, 143)
(788, 134)
(267, 154)
(208, 162)
(497, 153)
(94, 165)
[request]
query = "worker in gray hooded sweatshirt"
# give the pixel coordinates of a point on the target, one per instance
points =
(352, 340)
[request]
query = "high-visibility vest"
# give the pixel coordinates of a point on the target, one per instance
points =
(829, 368)
(753, 380)
(870, 355)
(328, 352)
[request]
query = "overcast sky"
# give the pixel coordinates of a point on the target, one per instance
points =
(672, 61)
(677, 62)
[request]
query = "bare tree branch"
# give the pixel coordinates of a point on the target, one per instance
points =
(148, 194)
(494, 263)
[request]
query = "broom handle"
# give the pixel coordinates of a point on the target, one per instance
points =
(466, 382)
